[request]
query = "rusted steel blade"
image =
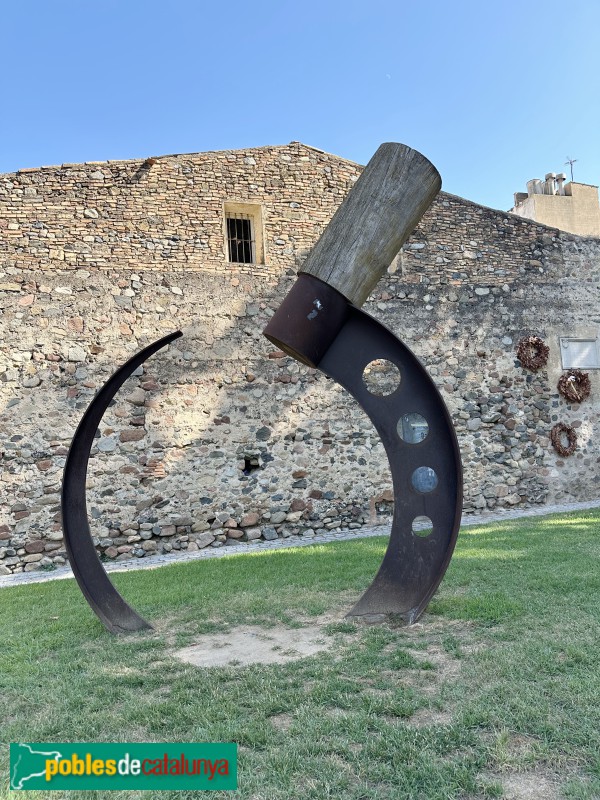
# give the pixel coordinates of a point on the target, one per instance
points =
(415, 429)
(426, 472)
(93, 581)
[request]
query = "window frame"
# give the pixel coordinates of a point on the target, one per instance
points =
(253, 213)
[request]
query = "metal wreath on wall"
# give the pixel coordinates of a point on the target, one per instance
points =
(558, 434)
(532, 352)
(575, 385)
(320, 323)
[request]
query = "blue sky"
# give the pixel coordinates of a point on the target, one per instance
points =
(494, 93)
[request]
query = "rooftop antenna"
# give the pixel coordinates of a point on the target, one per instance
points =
(570, 162)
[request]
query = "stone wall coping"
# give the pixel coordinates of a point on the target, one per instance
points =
(164, 156)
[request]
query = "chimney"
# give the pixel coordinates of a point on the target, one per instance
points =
(535, 186)
(560, 180)
(549, 186)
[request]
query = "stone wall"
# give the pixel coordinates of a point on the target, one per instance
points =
(220, 438)
(167, 213)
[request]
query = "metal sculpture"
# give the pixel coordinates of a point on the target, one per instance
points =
(426, 472)
(91, 576)
(320, 323)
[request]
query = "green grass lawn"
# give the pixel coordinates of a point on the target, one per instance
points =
(496, 691)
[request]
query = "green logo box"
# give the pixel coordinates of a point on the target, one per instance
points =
(121, 765)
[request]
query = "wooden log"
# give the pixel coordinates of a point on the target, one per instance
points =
(376, 217)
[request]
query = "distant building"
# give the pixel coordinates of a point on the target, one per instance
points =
(571, 207)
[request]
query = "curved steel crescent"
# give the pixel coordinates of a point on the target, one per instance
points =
(420, 442)
(318, 326)
(93, 581)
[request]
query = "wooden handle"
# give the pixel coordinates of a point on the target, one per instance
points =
(377, 216)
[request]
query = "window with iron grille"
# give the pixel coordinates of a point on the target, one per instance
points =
(241, 245)
(243, 232)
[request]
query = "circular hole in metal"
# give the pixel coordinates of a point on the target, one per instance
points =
(422, 526)
(381, 377)
(424, 479)
(412, 428)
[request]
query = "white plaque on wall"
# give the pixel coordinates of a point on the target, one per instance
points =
(579, 353)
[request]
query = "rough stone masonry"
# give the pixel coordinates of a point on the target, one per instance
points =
(220, 439)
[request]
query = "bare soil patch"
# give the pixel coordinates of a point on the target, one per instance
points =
(251, 644)
(531, 786)
(281, 721)
(446, 666)
(426, 717)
